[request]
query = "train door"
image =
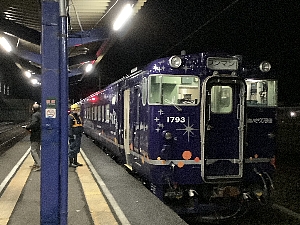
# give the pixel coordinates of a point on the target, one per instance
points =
(222, 133)
(127, 127)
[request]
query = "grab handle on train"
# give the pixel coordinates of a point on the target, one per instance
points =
(209, 112)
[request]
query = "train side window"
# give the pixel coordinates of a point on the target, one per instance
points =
(107, 113)
(103, 113)
(99, 112)
(94, 112)
(221, 99)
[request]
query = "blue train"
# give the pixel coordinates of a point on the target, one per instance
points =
(200, 129)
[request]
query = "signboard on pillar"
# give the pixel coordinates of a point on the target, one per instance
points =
(50, 111)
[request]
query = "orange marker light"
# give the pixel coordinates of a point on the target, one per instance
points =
(197, 159)
(186, 155)
(180, 164)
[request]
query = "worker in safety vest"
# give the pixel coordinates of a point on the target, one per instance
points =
(75, 134)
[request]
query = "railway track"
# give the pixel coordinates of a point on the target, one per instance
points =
(10, 134)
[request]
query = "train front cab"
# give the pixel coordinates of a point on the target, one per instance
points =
(212, 132)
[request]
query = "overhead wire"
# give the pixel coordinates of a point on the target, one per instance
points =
(200, 27)
(105, 14)
(77, 17)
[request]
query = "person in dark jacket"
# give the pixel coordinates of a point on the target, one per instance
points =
(35, 136)
(75, 134)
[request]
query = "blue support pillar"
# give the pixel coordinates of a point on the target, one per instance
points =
(54, 152)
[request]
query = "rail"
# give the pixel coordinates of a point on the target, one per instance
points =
(10, 134)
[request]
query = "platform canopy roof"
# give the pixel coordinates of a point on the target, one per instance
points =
(89, 29)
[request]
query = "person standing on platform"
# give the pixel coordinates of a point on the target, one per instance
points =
(35, 136)
(75, 134)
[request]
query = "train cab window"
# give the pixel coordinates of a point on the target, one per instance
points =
(221, 99)
(261, 92)
(174, 90)
(154, 89)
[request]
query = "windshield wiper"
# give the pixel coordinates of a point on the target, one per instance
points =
(172, 103)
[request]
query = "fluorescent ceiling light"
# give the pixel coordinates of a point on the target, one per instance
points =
(4, 43)
(123, 17)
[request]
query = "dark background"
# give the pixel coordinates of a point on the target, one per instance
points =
(257, 29)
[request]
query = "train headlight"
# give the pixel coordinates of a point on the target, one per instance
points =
(175, 61)
(167, 135)
(265, 66)
(293, 114)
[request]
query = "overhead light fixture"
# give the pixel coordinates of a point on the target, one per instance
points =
(5, 44)
(86, 68)
(27, 74)
(35, 82)
(123, 17)
(89, 68)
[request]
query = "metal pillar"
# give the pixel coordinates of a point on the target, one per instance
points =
(54, 154)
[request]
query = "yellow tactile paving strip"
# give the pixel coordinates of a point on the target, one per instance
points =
(99, 209)
(12, 193)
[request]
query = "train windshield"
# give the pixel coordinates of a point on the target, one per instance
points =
(221, 99)
(261, 92)
(174, 90)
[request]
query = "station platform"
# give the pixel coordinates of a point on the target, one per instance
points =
(99, 192)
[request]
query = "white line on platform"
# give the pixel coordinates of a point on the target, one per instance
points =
(106, 192)
(13, 171)
(286, 210)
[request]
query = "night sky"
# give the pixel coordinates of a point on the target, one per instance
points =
(257, 29)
